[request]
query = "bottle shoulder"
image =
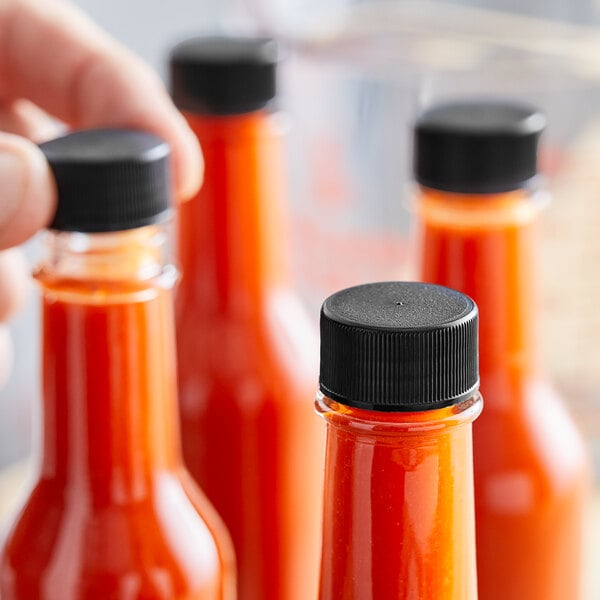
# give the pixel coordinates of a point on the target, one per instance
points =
(532, 438)
(162, 536)
(529, 403)
(271, 345)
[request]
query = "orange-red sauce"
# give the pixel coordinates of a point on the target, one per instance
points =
(398, 510)
(529, 459)
(247, 362)
(112, 514)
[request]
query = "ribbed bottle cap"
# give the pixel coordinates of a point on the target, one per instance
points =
(477, 147)
(399, 346)
(109, 179)
(224, 75)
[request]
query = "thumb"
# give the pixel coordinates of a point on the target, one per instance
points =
(27, 190)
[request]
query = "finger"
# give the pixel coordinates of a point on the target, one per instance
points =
(24, 118)
(6, 354)
(27, 190)
(14, 282)
(129, 105)
(55, 56)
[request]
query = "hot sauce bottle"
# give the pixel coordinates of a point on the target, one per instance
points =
(398, 391)
(478, 203)
(113, 514)
(247, 351)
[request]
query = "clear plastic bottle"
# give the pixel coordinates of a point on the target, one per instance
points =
(112, 514)
(246, 348)
(478, 206)
(399, 391)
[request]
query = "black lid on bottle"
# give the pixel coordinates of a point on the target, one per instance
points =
(477, 147)
(224, 75)
(109, 179)
(399, 346)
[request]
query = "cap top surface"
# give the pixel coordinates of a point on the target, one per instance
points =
(109, 179)
(387, 306)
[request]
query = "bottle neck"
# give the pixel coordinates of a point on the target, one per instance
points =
(485, 246)
(398, 495)
(109, 411)
(231, 237)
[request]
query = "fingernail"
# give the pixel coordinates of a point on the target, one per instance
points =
(194, 171)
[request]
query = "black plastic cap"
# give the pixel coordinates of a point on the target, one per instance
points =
(109, 180)
(399, 346)
(479, 147)
(224, 75)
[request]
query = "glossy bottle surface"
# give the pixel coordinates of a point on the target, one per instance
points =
(531, 470)
(247, 361)
(398, 511)
(112, 514)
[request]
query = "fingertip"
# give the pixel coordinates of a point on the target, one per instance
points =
(129, 107)
(28, 190)
(15, 281)
(188, 163)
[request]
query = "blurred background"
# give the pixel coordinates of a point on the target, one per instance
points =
(355, 74)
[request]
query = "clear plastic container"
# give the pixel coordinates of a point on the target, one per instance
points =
(357, 75)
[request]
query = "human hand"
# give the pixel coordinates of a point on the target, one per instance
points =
(57, 65)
